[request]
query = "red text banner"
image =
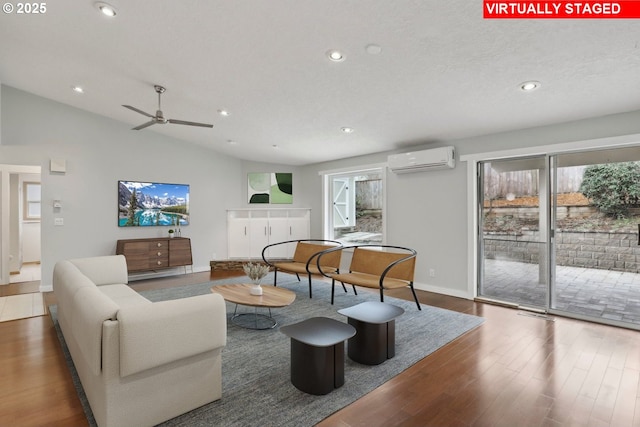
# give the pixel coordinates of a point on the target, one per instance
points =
(625, 9)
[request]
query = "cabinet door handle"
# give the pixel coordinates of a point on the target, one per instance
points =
(290, 232)
(269, 230)
(159, 244)
(245, 230)
(159, 262)
(159, 253)
(265, 230)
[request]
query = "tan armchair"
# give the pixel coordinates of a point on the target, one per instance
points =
(304, 259)
(374, 266)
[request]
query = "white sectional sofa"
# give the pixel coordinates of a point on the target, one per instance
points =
(140, 363)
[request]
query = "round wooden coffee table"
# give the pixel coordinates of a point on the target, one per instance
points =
(272, 297)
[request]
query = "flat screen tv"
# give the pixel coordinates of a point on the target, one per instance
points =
(145, 204)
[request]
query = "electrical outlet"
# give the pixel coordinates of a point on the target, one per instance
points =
(58, 221)
(432, 272)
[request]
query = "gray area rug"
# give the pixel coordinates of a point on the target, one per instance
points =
(256, 386)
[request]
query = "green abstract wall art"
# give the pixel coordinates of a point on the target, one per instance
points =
(259, 184)
(270, 187)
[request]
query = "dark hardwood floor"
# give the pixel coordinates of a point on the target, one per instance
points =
(514, 370)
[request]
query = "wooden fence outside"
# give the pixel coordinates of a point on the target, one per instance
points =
(369, 194)
(525, 183)
(496, 185)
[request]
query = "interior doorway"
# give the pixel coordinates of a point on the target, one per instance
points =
(20, 251)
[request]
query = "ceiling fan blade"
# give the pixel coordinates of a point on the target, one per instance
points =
(183, 122)
(137, 110)
(144, 125)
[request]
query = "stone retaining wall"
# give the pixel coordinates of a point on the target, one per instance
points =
(607, 251)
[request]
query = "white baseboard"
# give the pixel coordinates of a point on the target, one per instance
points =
(445, 291)
(168, 272)
(201, 268)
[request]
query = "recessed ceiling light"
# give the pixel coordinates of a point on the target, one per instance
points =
(106, 9)
(232, 142)
(224, 113)
(529, 86)
(347, 129)
(335, 55)
(77, 89)
(275, 147)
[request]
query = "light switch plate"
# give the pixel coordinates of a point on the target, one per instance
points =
(58, 221)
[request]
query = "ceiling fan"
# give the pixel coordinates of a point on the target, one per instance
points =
(159, 117)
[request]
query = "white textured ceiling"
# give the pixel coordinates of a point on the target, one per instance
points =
(443, 73)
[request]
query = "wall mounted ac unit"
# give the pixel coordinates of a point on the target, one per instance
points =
(417, 161)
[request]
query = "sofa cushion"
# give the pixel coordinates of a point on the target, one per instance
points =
(103, 270)
(90, 308)
(123, 295)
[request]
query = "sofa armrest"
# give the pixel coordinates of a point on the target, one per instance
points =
(152, 335)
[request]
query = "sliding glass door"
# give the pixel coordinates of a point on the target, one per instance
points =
(560, 233)
(513, 232)
(596, 256)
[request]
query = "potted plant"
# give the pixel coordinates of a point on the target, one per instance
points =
(255, 272)
(171, 232)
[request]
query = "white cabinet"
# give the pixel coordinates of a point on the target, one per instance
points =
(239, 228)
(258, 236)
(250, 230)
(278, 232)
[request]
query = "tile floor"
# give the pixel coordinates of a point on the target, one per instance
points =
(29, 303)
(28, 273)
(21, 306)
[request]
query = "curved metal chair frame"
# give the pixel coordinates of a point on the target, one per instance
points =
(310, 264)
(358, 278)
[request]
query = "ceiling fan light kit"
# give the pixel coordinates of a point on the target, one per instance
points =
(159, 118)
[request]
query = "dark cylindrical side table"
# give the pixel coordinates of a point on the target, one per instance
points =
(375, 339)
(317, 353)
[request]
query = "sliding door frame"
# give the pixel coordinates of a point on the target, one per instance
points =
(540, 164)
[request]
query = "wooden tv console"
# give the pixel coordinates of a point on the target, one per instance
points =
(155, 253)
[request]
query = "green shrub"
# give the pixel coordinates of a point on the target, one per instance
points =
(613, 188)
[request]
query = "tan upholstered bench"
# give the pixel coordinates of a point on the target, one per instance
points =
(374, 266)
(304, 259)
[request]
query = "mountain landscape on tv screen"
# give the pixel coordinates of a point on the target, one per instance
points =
(152, 204)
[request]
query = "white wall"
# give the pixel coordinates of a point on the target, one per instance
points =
(99, 152)
(428, 210)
